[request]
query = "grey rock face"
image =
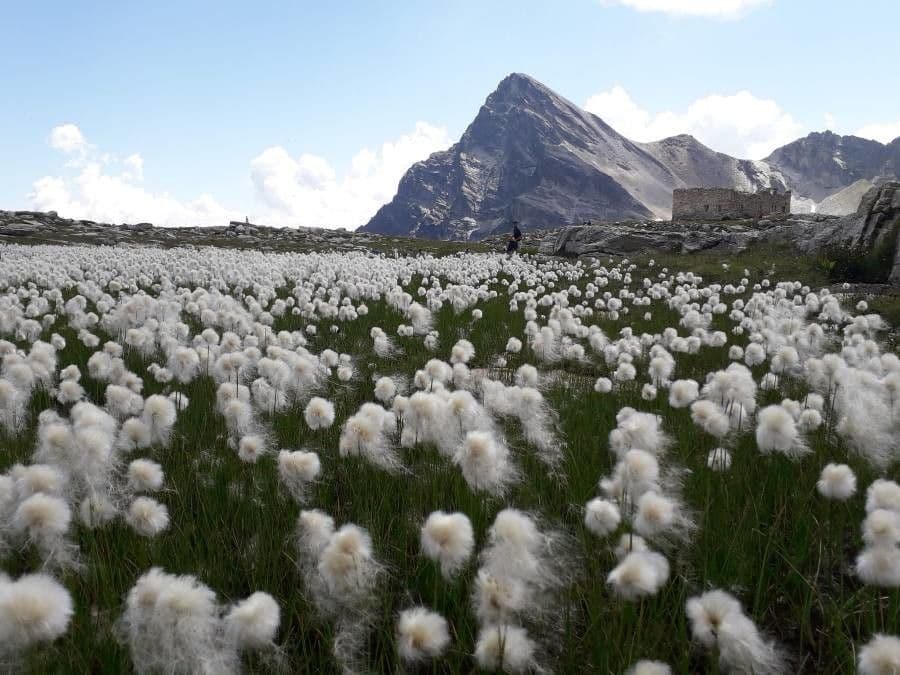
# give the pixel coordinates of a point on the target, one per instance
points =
(531, 155)
(821, 164)
(876, 222)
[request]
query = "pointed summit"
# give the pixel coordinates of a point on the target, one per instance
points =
(533, 156)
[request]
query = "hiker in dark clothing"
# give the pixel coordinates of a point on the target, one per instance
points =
(514, 240)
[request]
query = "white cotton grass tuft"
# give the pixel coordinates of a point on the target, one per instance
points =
(506, 648)
(147, 517)
(776, 431)
(880, 656)
(172, 624)
(719, 624)
(883, 494)
(448, 539)
(159, 415)
(385, 389)
(251, 448)
(881, 528)
(683, 392)
(421, 635)
(145, 475)
(319, 413)
(647, 667)
(347, 565)
(879, 566)
(602, 517)
(44, 520)
(837, 481)
(297, 470)
(484, 462)
(253, 622)
(639, 574)
(34, 609)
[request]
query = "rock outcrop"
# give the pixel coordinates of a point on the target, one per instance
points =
(874, 227)
(820, 164)
(35, 227)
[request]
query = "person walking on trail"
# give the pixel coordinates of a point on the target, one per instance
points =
(514, 238)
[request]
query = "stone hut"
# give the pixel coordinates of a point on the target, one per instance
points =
(728, 204)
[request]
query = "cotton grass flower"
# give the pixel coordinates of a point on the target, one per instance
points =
(422, 635)
(145, 475)
(253, 622)
(319, 413)
(505, 648)
(602, 517)
(484, 463)
(297, 470)
(837, 481)
(34, 609)
(448, 539)
(879, 566)
(639, 574)
(718, 622)
(147, 517)
(251, 448)
(647, 667)
(883, 494)
(880, 656)
(776, 431)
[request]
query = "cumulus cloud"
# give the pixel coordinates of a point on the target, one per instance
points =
(740, 124)
(99, 187)
(306, 190)
(884, 132)
(720, 9)
(67, 138)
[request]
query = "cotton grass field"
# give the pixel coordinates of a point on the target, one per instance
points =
(220, 461)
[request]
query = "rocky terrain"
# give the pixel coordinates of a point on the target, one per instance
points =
(36, 227)
(820, 164)
(874, 225)
(533, 156)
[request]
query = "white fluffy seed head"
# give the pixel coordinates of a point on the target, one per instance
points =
(251, 448)
(33, 609)
(319, 413)
(42, 516)
(298, 466)
(253, 622)
(639, 574)
(880, 656)
(837, 481)
(602, 517)
(147, 516)
(448, 539)
(421, 635)
(507, 647)
(883, 494)
(145, 475)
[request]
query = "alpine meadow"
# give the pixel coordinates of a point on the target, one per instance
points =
(228, 461)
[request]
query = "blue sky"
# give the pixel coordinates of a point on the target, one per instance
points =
(308, 113)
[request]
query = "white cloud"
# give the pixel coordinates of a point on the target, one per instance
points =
(721, 9)
(882, 132)
(68, 138)
(740, 124)
(307, 191)
(94, 190)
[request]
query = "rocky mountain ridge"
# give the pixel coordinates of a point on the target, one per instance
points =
(531, 155)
